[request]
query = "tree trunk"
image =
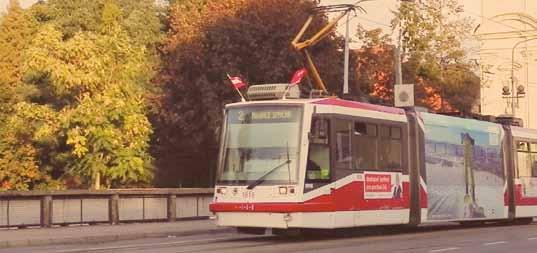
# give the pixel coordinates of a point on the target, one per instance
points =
(96, 184)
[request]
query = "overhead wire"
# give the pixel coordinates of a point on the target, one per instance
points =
(389, 26)
(516, 29)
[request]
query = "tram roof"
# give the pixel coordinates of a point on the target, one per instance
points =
(359, 105)
(328, 101)
(526, 133)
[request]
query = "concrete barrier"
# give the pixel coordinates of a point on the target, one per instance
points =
(38, 208)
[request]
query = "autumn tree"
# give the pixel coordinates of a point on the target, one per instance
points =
(19, 164)
(16, 31)
(375, 71)
(433, 58)
(24, 139)
(374, 66)
(208, 39)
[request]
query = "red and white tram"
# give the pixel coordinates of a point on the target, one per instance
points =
(332, 163)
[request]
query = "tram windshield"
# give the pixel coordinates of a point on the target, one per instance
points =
(261, 145)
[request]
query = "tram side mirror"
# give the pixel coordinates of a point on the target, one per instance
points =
(217, 134)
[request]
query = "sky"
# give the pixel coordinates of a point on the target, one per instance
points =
(24, 3)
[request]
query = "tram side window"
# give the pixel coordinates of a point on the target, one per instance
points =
(524, 160)
(390, 149)
(318, 165)
(533, 151)
(440, 148)
(364, 146)
(342, 129)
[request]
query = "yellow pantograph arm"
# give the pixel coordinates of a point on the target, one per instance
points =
(314, 73)
(302, 31)
(302, 46)
(325, 31)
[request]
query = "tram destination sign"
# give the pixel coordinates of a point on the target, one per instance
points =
(249, 115)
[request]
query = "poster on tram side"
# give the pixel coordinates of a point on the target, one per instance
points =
(464, 175)
(382, 185)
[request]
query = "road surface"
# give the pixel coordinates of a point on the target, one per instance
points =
(429, 239)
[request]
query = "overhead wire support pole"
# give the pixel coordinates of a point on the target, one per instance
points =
(346, 64)
(397, 51)
(397, 62)
(513, 94)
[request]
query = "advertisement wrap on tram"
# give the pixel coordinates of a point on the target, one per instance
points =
(465, 176)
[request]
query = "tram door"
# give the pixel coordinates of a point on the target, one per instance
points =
(345, 197)
(318, 172)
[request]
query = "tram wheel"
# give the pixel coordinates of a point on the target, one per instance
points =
(472, 223)
(289, 232)
(523, 221)
(251, 230)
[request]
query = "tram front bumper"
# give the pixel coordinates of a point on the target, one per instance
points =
(251, 219)
(275, 220)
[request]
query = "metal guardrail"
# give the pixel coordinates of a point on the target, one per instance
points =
(40, 208)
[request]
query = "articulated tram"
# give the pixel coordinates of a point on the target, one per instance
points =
(332, 163)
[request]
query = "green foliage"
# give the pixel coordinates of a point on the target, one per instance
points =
(138, 18)
(433, 32)
(108, 135)
(433, 59)
(462, 87)
(72, 16)
(208, 39)
(141, 21)
(88, 66)
(97, 80)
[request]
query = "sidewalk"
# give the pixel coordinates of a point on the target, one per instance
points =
(105, 233)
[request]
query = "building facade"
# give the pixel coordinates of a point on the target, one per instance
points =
(508, 58)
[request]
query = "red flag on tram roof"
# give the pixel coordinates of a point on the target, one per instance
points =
(237, 82)
(298, 76)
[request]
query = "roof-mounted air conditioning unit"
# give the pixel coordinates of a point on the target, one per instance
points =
(273, 91)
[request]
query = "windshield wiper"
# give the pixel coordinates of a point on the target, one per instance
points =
(262, 178)
(288, 164)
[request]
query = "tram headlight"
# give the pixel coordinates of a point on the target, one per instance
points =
(283, 190)
(287, 217)
(221, 190)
